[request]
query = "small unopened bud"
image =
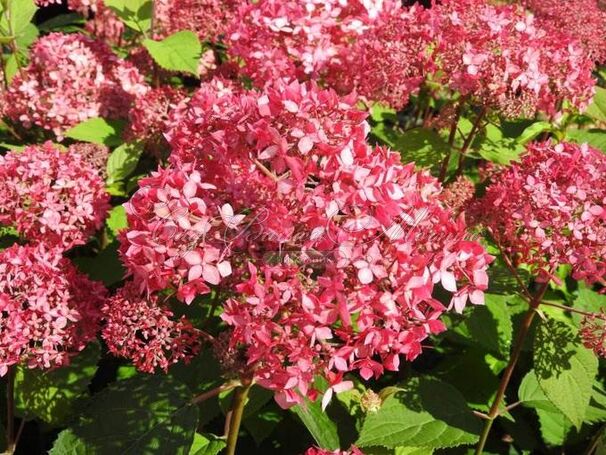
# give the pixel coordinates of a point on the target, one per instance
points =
(370, 402)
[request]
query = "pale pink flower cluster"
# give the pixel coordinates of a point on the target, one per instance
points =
(48, 311)
(295, 39)
(391, 59)
(329, 249)
(71, 78)
(209, 19)
(149, 117)
(585, 20)
(550, 209)
(51, 196)
(139, 328)
(499, 55)
(94, 154)
(457, 195)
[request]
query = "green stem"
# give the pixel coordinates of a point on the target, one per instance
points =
(493, 413)
(472, 134)
(567, 308)
(10, 412)
(235, 419)
(214, 392)
(451, 139)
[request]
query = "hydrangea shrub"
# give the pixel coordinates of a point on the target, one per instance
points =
(302, 227)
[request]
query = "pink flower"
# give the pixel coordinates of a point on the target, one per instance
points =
(325, 244)
(70, 79)
(584, 20)
(142, 330)
(353, 450)
(51, 196)
(48, 311)
(390, 59)
(295, 39)
(506, 61)
(149, 117)
(593, 333)
(174, 236)
(548, 210)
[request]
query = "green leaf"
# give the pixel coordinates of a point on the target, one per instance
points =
(21, 14)
(105, 267)
(594, 137)
(11, 67)
(62, 22)
(382, 113)
(138, 416)
(116, 221)
(597, 109)
(423, 146)
(489, 326)
(413, 451)
(262, 424)
(564, 368)
(531, 394)
(555, 427)
(136, 14)
(26, 38)
(180, 51)
(497, 148)
(206, 444)
(321, 427)
(479, 392)
(52, 395)
(123, 161)
(533, 131)
(98, 131)
(428, 413)
(588, 300)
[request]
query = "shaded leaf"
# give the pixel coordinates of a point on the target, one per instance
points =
(489, 326)
(533, 131)
(138, 416)
(52, 395)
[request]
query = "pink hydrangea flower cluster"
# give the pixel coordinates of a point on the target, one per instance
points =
(209, 19)
(499, 55)
(550, 209)
(458, 194)
(593, 332)
(71, 78)
(51, 196)
(48, 311)
(295, 39)
(94, 154)
(141, 329)
(149, 118)
(583, 19)
(330, 249)
(391, 59)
